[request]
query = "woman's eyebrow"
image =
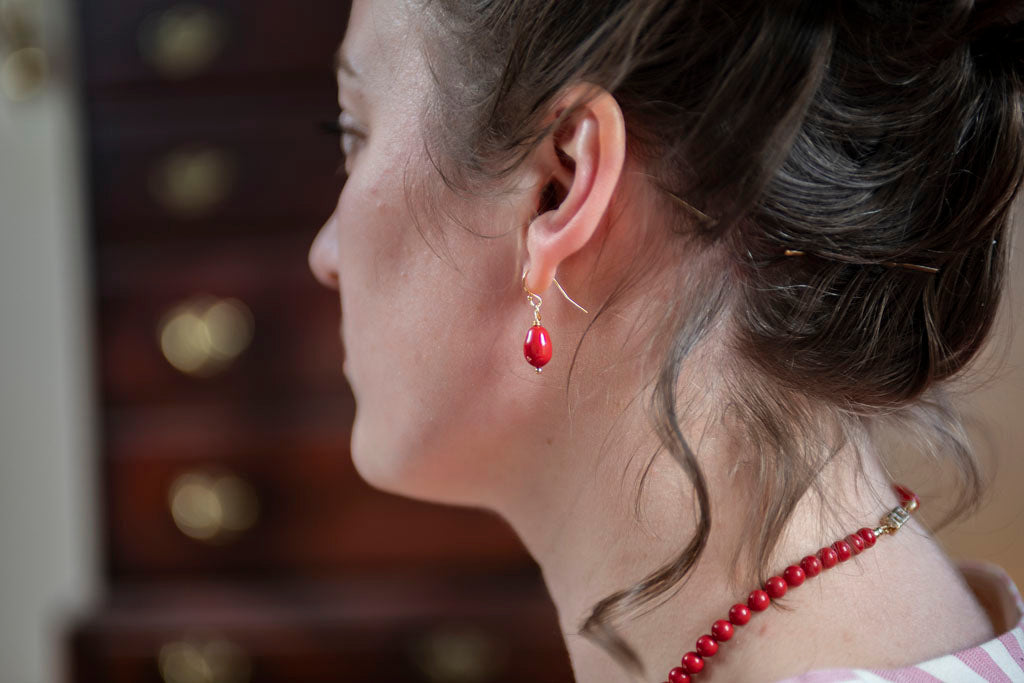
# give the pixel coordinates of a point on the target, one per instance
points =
(342, 64)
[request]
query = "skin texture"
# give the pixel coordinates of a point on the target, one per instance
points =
(449, 411)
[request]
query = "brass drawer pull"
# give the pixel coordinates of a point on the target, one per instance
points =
(203, 661)
(213, 508)
(24, 65)
(191, 182)
(204, 335)
(183, 40)
(24, 72)
(458, 656)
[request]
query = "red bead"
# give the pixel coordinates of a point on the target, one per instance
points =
(868, 536)
(775, 587)
(693, 663)
(843, 551)
(906, 495)
(739, 615)
(758, 600)
(793, 575)
(679, 675)
(537, 346)
(811, 565)
(828, 557)
(721, 630)
(856, 543)
(706, 646)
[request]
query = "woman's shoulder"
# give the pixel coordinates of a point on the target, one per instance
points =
(998, 659)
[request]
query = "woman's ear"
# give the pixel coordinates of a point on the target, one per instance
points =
(582, 162)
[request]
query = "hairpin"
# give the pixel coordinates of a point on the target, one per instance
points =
(891, 264)
(701, 216)
(708, 220)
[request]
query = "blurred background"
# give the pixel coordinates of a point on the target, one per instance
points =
(177, 503)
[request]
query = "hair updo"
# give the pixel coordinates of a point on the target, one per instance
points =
(860, 133)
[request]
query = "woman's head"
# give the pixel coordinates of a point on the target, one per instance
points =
(429, 311)
(659, 158)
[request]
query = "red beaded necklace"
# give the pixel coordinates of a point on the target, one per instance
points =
(693, 662)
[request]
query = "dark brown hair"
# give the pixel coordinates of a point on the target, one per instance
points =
(861, 133)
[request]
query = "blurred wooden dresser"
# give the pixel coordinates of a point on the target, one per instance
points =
(240, 544)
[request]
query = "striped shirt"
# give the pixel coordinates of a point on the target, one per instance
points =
(1000, 659)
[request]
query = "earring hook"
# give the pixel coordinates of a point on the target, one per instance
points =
(567, 296)
(540, 301)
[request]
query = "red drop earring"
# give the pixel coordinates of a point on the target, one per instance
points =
(537, 346)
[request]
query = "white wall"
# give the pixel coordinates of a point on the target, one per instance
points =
(48, 559)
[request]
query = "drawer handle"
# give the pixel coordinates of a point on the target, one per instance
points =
(211, 661)
(26, 67)
(204, 335)
(191, 182)
(182, 41)
(24, 73)
(212, 508)
(458, 656)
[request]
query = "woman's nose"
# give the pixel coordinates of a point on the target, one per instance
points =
(323, 255)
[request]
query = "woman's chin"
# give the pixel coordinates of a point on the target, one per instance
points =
(384, 464)
(406, 467)
(370, 459)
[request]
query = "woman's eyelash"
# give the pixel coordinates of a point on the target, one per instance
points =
(335, 127)
(338, 129)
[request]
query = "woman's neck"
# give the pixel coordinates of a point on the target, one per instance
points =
(574, 511)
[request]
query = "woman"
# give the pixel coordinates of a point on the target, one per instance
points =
(779, 232)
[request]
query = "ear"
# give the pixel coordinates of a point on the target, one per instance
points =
(580, 166)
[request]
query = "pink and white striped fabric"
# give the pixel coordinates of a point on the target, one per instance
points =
(1000, 659)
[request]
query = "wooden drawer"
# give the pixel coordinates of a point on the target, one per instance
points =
(484, 631)
(228, 320)
(165, 169)
(191, 44)
(240, 491)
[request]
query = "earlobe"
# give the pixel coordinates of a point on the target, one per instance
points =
(585, 160)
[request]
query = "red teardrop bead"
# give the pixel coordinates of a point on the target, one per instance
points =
(793, 575)
(775, 587)
(739, 615)
(722, 630)
(811, 565)
(706, 646)
(758, 600)
(693, 663)
(537, 346)
(868, 535)
(828, 557)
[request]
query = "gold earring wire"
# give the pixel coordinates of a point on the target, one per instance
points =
(530, 296)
